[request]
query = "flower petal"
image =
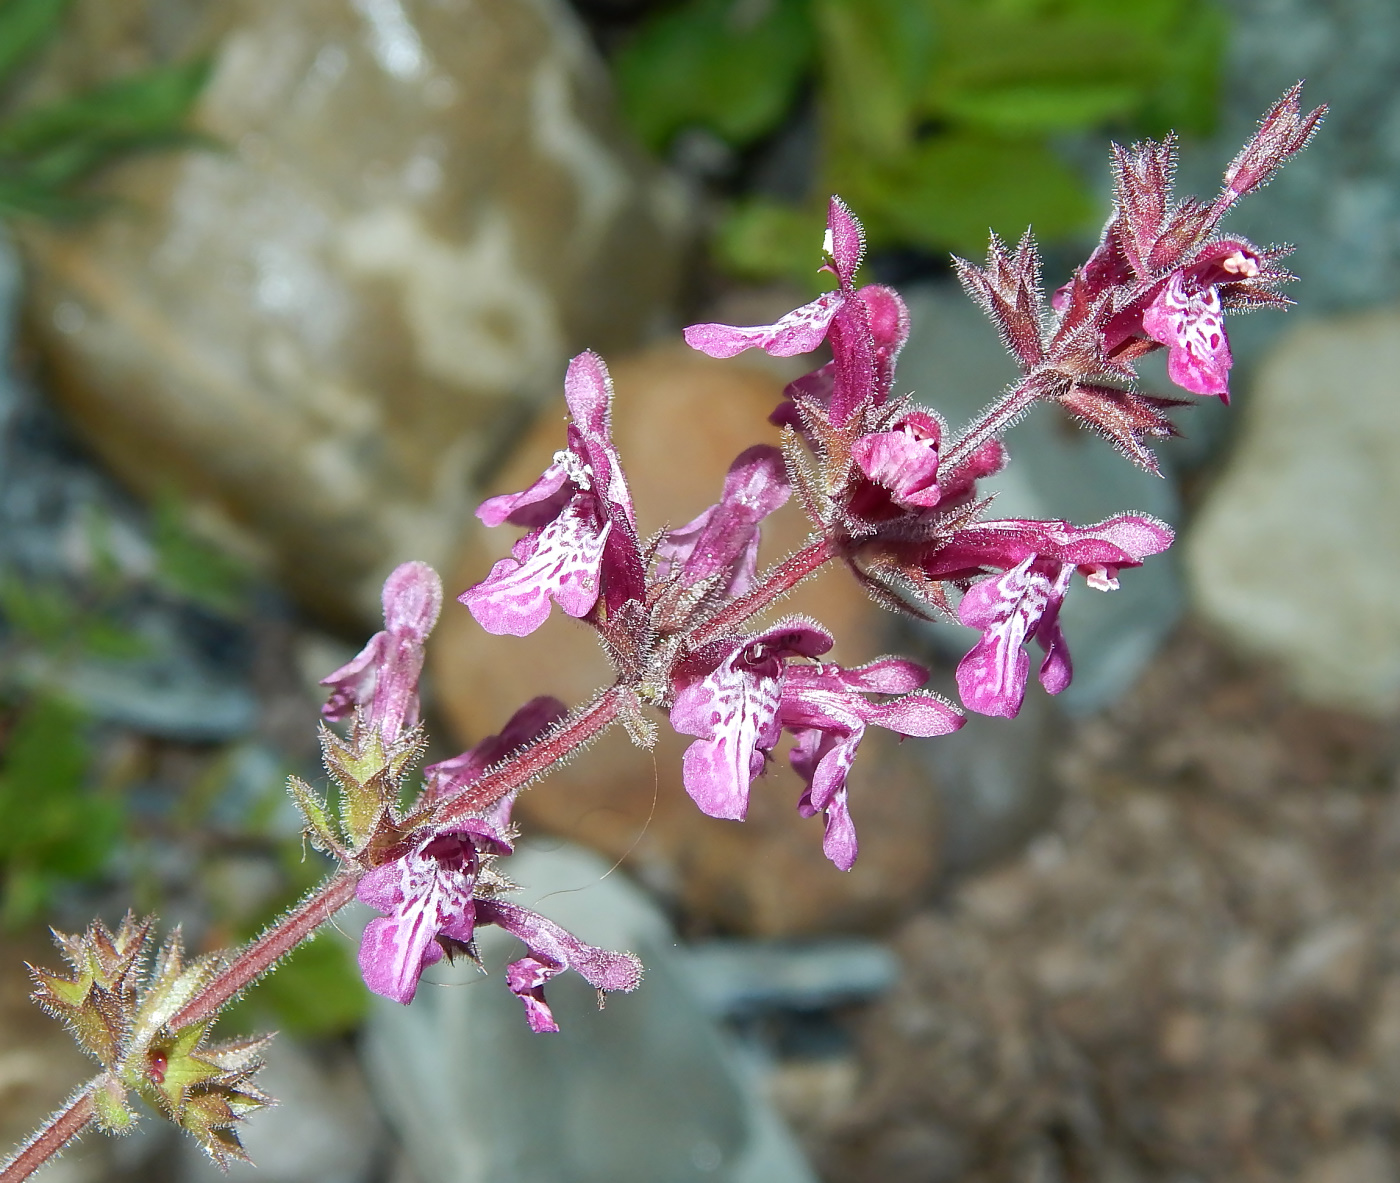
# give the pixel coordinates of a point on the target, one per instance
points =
(554, 949)
(992, 677)
(1192, 326)
(725, 536)
(449, 777)
(800, 331)
(561, 561)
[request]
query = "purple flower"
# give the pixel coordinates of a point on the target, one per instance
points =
(728, 694)
(866, 329)
(737, 696)
(1034, 561)
(431, 906)
(826, 709)
(553, 950)
(900, 466)
(724, 539)
(383, 677)
(426, 896)
(582, 542)
(1188, 317)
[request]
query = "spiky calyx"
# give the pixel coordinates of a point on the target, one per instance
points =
(118, 1001)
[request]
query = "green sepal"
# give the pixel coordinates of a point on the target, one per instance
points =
(111, 1112)
(318, 821)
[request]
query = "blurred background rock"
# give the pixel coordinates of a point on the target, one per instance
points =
(1145, 931)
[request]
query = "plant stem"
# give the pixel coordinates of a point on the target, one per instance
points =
(777, 581)
(53, 1136)
(274, 944)
(536, 759)
(995, 421)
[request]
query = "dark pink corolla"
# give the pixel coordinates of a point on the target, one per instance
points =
(727, 694)
(448, 778)
(1034, 562)
(582, 540)
(723, 540)
(431, 907)
(426, 896)
(738, 696)
(382, 679)
(899, 466)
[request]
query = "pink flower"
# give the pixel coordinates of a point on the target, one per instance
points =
(866, 328)
(447, 778)
(431, 907)
(1187, 316)
(724, 539)
(1035, 561)
(582, 542)
(426, 896)
(383, 677)
(900, 466)
(727, 694)
(826, 709)
(737, 696)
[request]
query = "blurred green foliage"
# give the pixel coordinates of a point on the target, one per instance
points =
(938, 118)
(47, 151)
(55, 824)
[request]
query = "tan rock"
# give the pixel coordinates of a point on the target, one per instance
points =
(321, 334)
(680, 418)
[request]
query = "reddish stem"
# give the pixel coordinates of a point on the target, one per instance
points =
(53, 1136)
(533, 761)
(995, 421)
(781, 579)
(274, 944)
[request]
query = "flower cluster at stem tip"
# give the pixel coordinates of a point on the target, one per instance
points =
(890, 493)
(885, 494)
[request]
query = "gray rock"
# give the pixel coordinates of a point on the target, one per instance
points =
(323, 333)
(647, 1091)
(1296, 552)
(191, 680)
(737, 978)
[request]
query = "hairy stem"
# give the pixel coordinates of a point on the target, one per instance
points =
(275, 943)
(536, 759)
(53, 1136)
(776, 582)
(993, 422)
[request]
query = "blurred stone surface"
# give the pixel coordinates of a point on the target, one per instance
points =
(646, 1091)
(1191, 975)
(322, 332)
(680, 418)
(1296, 551)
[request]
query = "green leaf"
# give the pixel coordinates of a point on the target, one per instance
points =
(190, 567)
(53, 826)
(761, 239)
(875, 57)
(1029, 108)
(43, 612)
(949, 193)
(144, 109)
(732, 67)
(25, 25)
